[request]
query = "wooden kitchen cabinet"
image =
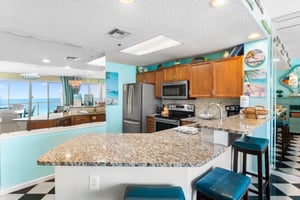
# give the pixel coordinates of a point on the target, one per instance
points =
(228, 75)
(221, 78)
(177, 73)
(201, 80)
(64, 122)
(159, 78)
(146, 77)
(150, 124)
(80, 119)
(183, 123)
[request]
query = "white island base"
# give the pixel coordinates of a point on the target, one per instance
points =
(73, 182)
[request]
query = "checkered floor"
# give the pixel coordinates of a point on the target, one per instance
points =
(41, 191)
(291, 162)
(283, 186)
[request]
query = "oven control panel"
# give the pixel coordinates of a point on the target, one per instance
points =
(182, 107)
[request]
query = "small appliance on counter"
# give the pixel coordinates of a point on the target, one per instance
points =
(232, 110)
(159, 108)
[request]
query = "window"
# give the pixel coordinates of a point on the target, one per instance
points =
(19, 93)
(90, 89)
(39, 98)
(55, 96)
(3, 94)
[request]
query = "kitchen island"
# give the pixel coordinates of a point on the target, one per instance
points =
(116, 160)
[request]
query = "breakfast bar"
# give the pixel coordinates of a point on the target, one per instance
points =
(100, 166)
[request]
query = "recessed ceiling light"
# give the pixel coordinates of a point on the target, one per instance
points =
(67, 67)
(276, 60)
(218, 3)
(126, 1)
(46, 61)
(98, 61)
(254, 36)
(153, 45)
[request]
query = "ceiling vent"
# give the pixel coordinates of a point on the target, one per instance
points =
(117, 33)
(72, 58)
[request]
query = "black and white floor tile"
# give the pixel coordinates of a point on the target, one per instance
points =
(41, 191)
(291, 162)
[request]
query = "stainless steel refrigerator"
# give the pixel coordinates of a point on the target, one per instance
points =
(138, 102)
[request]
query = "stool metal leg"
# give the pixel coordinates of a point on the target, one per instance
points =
(235, 159)
(267, 181)
(244, 163)
(260, 177)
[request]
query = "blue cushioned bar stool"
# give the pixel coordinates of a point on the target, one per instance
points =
(258, 147)
(222, 184)
(150, 192)
(282, 126)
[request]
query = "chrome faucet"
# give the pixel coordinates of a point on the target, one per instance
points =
(214, 104)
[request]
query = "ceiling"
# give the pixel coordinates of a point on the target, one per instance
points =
(286, 18)
(34, 29)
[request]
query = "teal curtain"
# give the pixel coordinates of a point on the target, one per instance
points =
(68, 91)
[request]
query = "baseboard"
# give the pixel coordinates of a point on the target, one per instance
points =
(25, 184)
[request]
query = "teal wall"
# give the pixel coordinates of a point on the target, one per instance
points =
(279, 74)
(127, 74)
(212, 56)
(286, 92)
(295, 61)
(18, 155)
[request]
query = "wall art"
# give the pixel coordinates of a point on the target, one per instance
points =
(112, 91)
(255, 58)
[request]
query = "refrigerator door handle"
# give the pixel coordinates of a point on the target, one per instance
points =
(130, 122)
(130, 96)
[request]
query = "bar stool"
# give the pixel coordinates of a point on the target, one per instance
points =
(223, 184)
(282, 127)
(138, 192)
(254, 146)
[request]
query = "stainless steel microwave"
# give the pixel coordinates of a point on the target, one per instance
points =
(175, 90)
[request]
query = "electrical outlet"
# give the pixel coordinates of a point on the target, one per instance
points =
(94, 182)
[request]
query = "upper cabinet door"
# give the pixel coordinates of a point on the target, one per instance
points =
(201, 79)
(177, 73)
(182, 72)
(159, 78)
(228, 75)
(146, 77)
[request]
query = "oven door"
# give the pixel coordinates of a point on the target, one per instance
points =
(163, 124)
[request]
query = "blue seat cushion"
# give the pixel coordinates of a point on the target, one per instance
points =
(251, 143)
(223, 184)
(142, 192)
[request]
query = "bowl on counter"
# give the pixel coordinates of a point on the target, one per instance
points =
(206, 116)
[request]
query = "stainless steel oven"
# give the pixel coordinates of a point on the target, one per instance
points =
(165, 123)
(176, 113)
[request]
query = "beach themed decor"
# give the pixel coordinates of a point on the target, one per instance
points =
(254, 58)
(112, 91)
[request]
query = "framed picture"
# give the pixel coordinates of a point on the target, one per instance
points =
(255, 58)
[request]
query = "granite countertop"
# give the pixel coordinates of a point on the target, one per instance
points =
(167, 148)
(161, 149)
(233, 124)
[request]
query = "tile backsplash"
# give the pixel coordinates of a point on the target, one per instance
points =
(202, 103)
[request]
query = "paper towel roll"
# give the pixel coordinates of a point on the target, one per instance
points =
(244, 101)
